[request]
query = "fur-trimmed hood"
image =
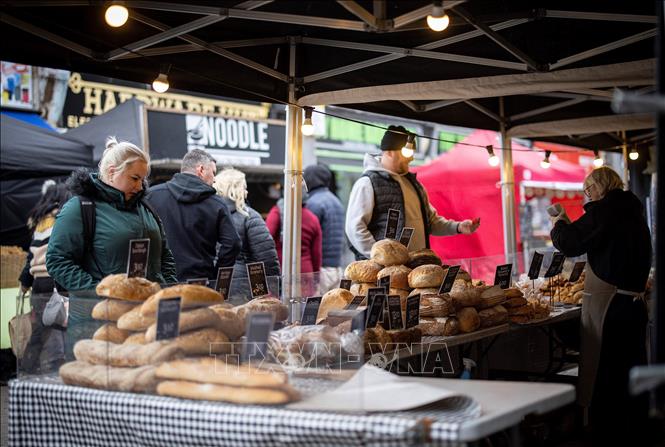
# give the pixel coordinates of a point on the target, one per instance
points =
(85, 182)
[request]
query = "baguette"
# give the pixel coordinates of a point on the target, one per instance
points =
(111, 310)
(126, 355)
(134, 321)
(202, 342)
(135, 380)
(110, 332)
(236, 395)
(137, 338)
(191, 295)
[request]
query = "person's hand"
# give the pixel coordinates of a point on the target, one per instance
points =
(561, 216)
(24, 289)
(468, 226)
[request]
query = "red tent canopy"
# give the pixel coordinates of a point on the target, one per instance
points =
(462, 185)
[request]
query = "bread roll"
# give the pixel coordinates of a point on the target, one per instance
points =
(105, 353)
(137, 338)
(423, 256)
(361, 288)
(362, 271)
(229, 322)
(439, 326)
(468, 318)
(111, 310)
(426, 276)
(110, 332)
(223, 393)
(191, 295)
(389, 252)
(134, 380)
(493, 316)
(399, 276)
(134, 321)
(333, 299)
(272, 305)
(424, 291)
(204, 341)
(188, 321)
(120, 287)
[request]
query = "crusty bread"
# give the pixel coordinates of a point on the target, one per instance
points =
(111, 310)
(191, 295)
(465, 295)
(399, 276)
(405, 336)
(361, 288)
(137, 338)
(519, 319)
(204, 341)
(468, 318)
(125, 355)
(422, 291)
(110, 332)
(515, 302)
(120, 287)
(491, 296)
(438, 326)
(493, 316)
(362, 271)
(521, 310)
(423, 256)
(188, 321)
(237, 395)
(134, 321)
(229, 322)
(272, 305)
(463, 275)
(513, 292)
(333, 299)
(426, 276)
(389, 252)
(136, 380)
(436, 305)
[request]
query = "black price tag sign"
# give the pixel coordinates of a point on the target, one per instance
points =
(536, 264)
(395, 312)
(385, 283)
(391, 225)
(405, 237)
(345, 284)
(223, 284)
(578, 268)
(412, 311)
(502, 275)
(258, 283)
(137, 261)
(198, 281)
(259, 325)
(168, 318)
(449, 280)
(556, 266)
(311, 311)
(375, 310)
(358, 321)
(357, 301)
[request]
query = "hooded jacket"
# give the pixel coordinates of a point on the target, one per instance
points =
(196, 222)
(118, 221)
(257, 244)
(614, 234)
(367, 211)
(328, 208)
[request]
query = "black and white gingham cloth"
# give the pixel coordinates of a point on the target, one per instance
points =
(44, 412)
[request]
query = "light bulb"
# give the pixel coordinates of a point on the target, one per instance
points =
(161, 84)
(409, 147)
(438, 23)
(545, 164)
(493, 160)
(406, 152)
(116, 15)
(598, 162)
(307, 127)
(634, 155)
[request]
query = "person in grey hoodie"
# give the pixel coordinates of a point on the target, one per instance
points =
(387, 183)
(197, 223)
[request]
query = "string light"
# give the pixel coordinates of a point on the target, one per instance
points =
(438, 20)
(597, 161)
(116, 15)
(161, 82)
(307, 127)
(634, 155)
(493, 160)
(409, 148)
(545, 163)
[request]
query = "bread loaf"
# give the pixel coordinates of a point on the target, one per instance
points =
(137, 338)
(436, 305)
(120, 287)
(513, 292)
(191, 295)
(493, 316)
(333, 299)
(223, 393)
(468, 318)
(111, 310)
(491, 296)
(439, 326)
(204, 341)
(110, 332)
(515, 302)
(135, 321)
(399, 276)
(423, 256)
(388, 252)
(422, 291)
(271, 305)
(229, 322)
(465, 295)
(135, 380)
(376, 340)
(405, 336)
(521, 310)
(403, 294)
(188, 321)
(361, 288)
(362, 271)
(519, 319)
(463, 275)
(426, 276)
(125, 355)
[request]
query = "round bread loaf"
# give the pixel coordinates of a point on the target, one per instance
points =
(389, 252)
(122, 288)
(399, 276)
(362, 271)
(361, 288)
(272, 305)
(191, 295)
(423, 256)
(426, 276)
(333, 299)
(468, 318)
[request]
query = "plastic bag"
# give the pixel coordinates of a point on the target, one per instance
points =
(56, 310)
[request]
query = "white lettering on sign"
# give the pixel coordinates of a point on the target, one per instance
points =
(211, 133)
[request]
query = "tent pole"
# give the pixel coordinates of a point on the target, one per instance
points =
(292, 189)
(624, 151)
(507, 190)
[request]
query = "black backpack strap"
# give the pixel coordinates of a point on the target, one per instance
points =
(89, 220)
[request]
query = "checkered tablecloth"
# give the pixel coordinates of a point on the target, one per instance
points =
(44, 412)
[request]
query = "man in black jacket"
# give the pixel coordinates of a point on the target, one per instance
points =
(198, 226)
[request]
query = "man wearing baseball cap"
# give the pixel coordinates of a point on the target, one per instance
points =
(387, 183)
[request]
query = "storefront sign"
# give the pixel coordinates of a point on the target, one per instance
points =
(412, 311)
(168, 318)
(449, 280)
(395, 312)
(310, 311)
(137, 261)
(502, 275)
(223, 283)
(578, 268)
(391, 226)
(536, 264)
(258, 282)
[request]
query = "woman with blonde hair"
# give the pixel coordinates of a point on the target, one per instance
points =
(257, 244)
(615, 237)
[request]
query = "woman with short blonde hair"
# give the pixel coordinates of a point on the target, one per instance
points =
(603, 180)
